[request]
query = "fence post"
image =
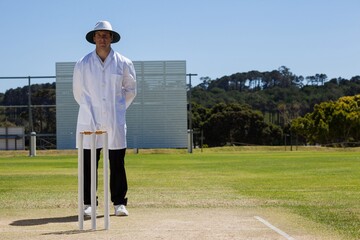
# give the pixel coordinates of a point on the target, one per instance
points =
(32, 144)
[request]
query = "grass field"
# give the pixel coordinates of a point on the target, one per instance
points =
(321, 185)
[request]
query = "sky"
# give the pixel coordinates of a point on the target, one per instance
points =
(215, 38)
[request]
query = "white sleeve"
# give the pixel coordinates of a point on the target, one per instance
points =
(129, 83)
(77, 85)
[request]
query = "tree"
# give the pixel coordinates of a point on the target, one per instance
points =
(205, 82)
(331, 122)
(42, 94)
(235, 123)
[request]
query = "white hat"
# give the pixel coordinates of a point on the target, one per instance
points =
(102, 26)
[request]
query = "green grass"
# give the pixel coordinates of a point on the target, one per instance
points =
(320, 185)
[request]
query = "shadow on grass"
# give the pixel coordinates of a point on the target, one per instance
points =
(43, 221)
(70, 232)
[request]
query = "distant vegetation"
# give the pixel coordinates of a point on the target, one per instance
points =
(248, 108)
(267, 107)
(14, 108)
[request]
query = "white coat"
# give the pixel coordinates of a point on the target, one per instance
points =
(104, 91)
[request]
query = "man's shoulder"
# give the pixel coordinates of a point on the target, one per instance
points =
(84, 61)
(122, 58)
(86, 58)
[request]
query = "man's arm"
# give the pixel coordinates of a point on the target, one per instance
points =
(129, 83)
(77, 88)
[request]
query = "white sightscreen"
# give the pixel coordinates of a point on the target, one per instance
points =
(156, 119)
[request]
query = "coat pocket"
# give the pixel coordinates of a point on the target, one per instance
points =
(117, 82)
(85, 117)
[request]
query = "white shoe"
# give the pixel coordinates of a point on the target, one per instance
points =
(87, 210)
(120, 210)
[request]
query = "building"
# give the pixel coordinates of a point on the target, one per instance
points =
(156, 119)
(12, 138)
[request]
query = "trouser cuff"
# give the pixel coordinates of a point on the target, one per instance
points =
(123, 202)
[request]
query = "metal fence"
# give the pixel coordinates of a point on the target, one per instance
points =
(28, 114)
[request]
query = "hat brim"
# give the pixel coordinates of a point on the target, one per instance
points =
(90, 36)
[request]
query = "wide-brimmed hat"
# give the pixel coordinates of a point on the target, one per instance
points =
(102, 26)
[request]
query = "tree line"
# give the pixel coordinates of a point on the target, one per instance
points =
(14, 109)
(262, 108)
(335, 123)
(276, 98)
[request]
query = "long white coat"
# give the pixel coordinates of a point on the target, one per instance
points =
(104, 91)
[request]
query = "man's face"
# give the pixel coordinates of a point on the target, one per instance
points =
(102, 39)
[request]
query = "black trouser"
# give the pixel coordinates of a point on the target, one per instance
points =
(118, 182)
